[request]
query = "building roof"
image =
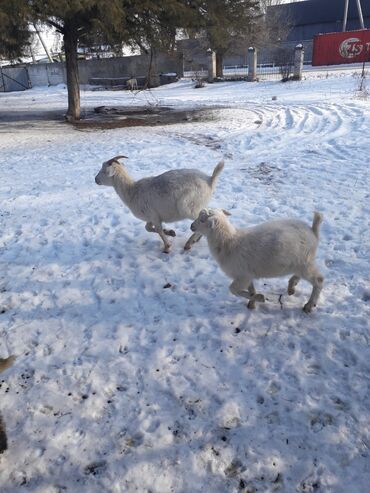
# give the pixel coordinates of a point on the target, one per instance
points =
(321, 11)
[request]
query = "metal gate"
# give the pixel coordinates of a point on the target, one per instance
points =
(14, 79)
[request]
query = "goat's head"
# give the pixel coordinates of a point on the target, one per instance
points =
(207, 220)
(108, 170)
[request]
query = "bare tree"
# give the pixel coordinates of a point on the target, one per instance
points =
(274, 27)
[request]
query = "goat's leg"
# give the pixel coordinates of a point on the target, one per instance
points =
(152, 229)
(159, 230)
(314, 276)
(293, 281)
(3, 439)
(193, 239)
(238, 288)
(254, 296)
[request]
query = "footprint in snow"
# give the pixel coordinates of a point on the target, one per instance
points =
(366, 296)
(320, 421)
(96, 468)
(345, 356)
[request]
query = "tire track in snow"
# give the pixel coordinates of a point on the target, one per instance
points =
(258, 128)
(312, 126)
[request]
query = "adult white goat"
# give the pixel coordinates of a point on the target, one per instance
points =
(272, 249)
(169, 197)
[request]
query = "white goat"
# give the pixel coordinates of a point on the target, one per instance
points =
(272, 249)
(169, 197)
(131, 84)
(4, 364)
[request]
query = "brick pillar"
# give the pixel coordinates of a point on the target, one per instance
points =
(252, 64)
(298, 62)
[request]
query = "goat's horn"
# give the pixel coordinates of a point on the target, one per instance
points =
(116, 159)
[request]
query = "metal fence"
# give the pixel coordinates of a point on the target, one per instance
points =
(265, 71)
(196, 74)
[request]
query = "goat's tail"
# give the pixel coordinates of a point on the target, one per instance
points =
(317, 220)
(6, 363)
(217, 171)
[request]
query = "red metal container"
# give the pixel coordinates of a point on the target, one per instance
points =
(338, 48)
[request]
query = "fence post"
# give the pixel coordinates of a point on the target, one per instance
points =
(252, 64)
(298, 62)
(211, 65)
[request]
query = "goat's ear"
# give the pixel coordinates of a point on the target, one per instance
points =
(111, 169)
(227, 213)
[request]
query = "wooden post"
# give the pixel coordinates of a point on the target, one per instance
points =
(252, 64)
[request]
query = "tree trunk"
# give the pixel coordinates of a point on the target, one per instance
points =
(219, 64)
(73, 86)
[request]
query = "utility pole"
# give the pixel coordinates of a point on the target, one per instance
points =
(345, 15)
(32, 54)
(360, 16)
(43, 44)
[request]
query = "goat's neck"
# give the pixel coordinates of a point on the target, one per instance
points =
(221, 237)
(123, 184)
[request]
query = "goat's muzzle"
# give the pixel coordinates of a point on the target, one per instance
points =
(97, 180)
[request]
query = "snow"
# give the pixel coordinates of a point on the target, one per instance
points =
(124, 385)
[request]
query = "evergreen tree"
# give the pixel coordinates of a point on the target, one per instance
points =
(150, 24)
(76, 19)
(227, 22)
(14, 34)
(147, 23)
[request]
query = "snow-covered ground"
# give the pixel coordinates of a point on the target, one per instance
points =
(124, 385)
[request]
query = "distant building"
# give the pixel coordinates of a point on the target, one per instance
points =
(320, 16)
(305, 19)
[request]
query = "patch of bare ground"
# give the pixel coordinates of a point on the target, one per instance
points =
(104, 117)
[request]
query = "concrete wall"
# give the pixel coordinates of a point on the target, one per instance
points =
(129, 66)
(47, 74)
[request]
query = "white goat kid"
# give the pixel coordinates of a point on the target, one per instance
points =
(131, 84)
(272, 249)
(169, 197)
